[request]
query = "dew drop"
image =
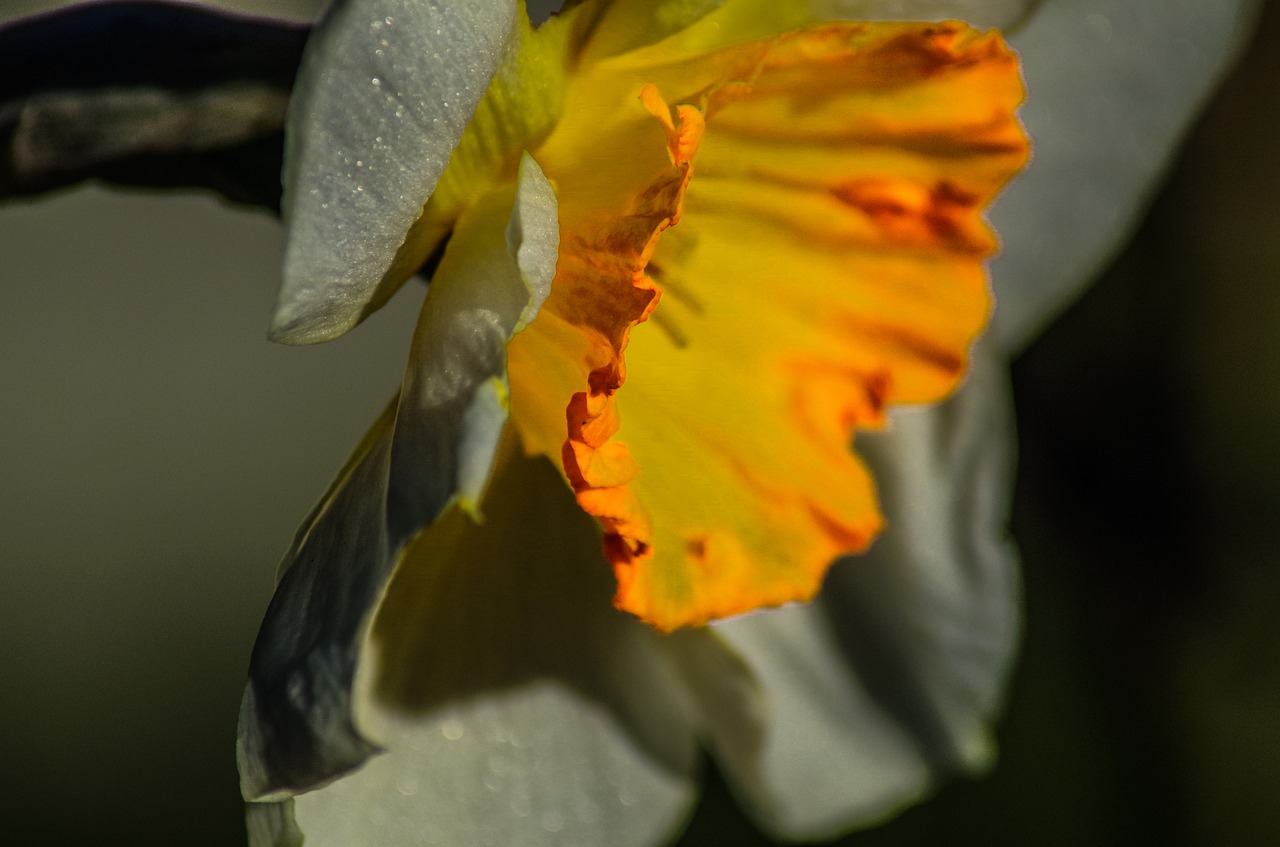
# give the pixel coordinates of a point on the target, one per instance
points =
(451, 729)
(407, 784)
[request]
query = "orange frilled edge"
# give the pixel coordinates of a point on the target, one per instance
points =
(831, 262)
(599, 468)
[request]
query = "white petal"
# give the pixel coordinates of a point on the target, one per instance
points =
(533, 236)
(1111, 87)
(891, 677)
(385, 90)
(535, 765)
(295, 718)
(515, 705)
(438, 444)
(490, 284)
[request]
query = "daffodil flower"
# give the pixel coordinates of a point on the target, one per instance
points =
(682, 251)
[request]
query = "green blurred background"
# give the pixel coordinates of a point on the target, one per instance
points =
(158, 453)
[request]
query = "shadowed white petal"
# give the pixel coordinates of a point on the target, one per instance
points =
(385, 90)
(1112, 85)
(892, 676)
(492, 280)
(272, 825)
(515, 706)
(436, 445)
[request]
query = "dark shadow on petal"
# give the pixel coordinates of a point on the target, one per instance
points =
(295, 719)
(476, 608)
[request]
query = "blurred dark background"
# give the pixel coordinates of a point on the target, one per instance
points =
(158, 452)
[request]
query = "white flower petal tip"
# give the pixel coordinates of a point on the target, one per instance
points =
(533, 236)
(385, 91)
(482, 425)
(889, 681)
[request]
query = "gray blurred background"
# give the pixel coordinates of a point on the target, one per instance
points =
(158, 453)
